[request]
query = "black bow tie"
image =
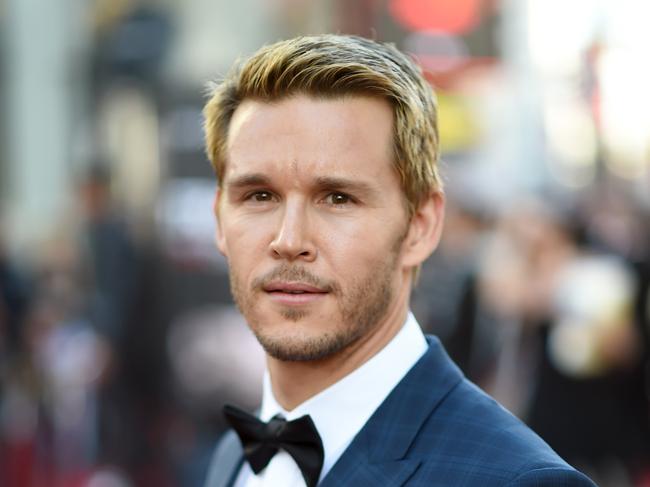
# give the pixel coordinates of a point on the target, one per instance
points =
(299, 438)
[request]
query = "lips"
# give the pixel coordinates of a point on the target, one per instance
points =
(294, 294)
(292, 288)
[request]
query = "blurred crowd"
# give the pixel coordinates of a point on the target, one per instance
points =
(72, 390)
(546, 306)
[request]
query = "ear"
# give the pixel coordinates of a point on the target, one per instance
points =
(219, 238)
(424, 231)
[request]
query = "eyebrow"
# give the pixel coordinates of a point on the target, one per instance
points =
(344, 184)
(246, 180)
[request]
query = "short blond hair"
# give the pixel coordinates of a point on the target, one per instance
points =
(331, 66)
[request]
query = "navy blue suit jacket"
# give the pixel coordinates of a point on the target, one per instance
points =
(434, 429)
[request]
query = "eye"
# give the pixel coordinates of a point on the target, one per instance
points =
(260, 196)
(338, 199)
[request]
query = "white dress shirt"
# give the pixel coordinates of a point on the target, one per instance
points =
(340, 411)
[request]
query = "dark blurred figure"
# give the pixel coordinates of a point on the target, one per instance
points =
(109, 274)
(14, 304)
(108, 259)
(14, 299)
(17, 411)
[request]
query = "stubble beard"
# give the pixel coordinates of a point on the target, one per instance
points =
(360, 308)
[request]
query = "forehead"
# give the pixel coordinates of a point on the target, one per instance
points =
(311, 136)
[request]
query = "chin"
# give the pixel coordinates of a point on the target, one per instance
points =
(295, 343)
(302, 350)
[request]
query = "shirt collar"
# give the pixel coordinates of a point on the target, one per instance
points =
(340, 411)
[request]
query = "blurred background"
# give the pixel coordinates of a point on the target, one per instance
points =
(118, 339)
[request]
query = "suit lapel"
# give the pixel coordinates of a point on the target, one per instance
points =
(377, 454)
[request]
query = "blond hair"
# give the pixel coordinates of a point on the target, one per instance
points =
(331, 66)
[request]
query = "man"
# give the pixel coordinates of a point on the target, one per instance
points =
(329, 199)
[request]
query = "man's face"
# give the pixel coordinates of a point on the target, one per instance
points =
(312, 220)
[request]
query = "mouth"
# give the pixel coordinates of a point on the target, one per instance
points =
(294, 293)
(292, 288)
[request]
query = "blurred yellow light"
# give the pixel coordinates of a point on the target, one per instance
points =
(457, 123)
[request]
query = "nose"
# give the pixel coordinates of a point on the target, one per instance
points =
(293, 240)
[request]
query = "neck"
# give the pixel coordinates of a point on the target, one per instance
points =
(295, 382)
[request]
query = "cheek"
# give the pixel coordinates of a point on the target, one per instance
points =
(244, 231)
(357, 249)
(244, 243)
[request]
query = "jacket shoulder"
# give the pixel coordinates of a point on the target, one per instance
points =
(557, 477)
(225, 462)
(470, 439)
